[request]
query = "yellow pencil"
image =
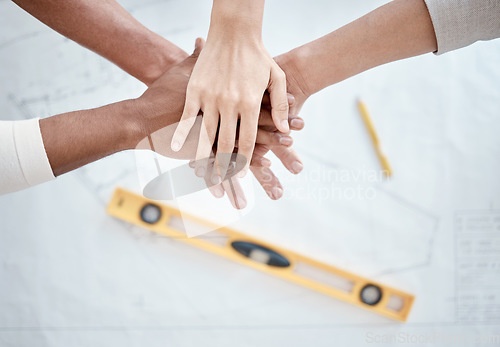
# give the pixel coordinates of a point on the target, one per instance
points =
(373, 135)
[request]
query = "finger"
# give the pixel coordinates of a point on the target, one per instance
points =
(191, 109)
(207, 137)
(266, 100)
(296, 123)
(235, 193)
(269, 182)
(225, 143)
(279, 100)
(198, 47)
(215, 189)
(289, 158)
(191, 60)
(265, 118)
(258, 158)
(273, 138)
(266, 122)
(258, 161)
(260, 150)
(212, 173)
(247, 137)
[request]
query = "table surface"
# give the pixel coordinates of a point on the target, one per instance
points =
(73, 276)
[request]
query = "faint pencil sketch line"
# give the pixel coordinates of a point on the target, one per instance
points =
(402, 269)
(21, 106)
(402, 201)
(408, 203)
(19, 38)
(89, 186)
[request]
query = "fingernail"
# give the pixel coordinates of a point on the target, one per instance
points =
(286, 141)
(291, 99)
(200, 171)
(265, 162)
(218, 191)
(297, 167)
(242, 173)
(284, 125)
(297, 123)
(277, 193)
(176, 146)
(241, 203)
(215, 179)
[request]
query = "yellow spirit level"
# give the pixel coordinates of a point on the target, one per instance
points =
(260, 255)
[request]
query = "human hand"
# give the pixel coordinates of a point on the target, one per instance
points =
(260, 165)
(159, 109)
(297, 87)
(268, 138)
(288, 157)
(226, 90)
(262, 172)
(295, 82)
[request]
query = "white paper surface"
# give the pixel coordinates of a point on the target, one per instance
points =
(70, 275)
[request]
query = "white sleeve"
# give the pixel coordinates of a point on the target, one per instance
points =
(23, 161)
(459, 23)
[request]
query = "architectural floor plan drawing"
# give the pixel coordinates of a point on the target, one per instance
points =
(70, 275)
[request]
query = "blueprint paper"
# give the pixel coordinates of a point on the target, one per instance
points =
(70, 275)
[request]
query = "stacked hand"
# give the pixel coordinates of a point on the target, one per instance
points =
(228, 83)
(161, 105)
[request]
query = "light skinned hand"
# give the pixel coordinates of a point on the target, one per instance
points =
(227, 85)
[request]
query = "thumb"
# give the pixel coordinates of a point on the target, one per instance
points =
(198, 46)
(279, 100)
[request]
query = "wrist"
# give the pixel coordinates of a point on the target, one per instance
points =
(142, 118)
(166, 55)
(133, 123)
(233, 30)
(294, 64)
(323, 62)
(236, 19)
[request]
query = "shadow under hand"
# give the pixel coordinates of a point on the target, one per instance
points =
(182, 181)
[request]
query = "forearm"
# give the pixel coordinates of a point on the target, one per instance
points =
(397, 30)
(106, 28)
(77, 138)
